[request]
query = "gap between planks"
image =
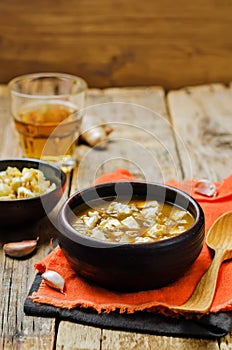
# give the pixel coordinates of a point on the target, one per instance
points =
(73, 336)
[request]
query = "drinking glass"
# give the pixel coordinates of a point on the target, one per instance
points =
(47, 111)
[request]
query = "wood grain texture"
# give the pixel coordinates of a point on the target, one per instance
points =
(225, 342)
(78, 337)
(21, 332)
(137, 115)
(128, 341)
(119, 43)
(17, 330)
(202, 118)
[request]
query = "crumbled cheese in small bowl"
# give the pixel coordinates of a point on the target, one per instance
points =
(29, 190)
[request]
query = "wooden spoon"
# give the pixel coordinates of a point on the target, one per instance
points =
(219, 239)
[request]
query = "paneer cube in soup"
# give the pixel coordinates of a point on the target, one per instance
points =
(135, 222)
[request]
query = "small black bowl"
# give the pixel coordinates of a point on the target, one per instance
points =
(131, 267)
(21, 212)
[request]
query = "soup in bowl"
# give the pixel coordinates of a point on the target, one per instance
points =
(131, 235)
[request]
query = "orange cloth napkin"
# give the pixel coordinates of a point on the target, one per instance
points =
(78, 292)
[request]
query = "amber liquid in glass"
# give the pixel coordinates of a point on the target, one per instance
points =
(49, 131)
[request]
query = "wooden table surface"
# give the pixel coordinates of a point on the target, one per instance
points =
(199, 145)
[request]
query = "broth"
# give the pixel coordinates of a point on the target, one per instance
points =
(135, 222)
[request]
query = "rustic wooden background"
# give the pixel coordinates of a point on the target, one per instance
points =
(117, 42)
(199, 146)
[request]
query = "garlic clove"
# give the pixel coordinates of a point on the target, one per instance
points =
(20, 249)
(54, 280)
(95, 136)
(206, 188)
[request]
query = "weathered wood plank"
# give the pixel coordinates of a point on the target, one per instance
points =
(225, 342)
(142, 140)
(119, 43)
(19, 331)
(202, 117)
(78, 337)
(127, 341)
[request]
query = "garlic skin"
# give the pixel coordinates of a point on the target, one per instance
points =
(95, 131)
(20, 249)
(206, 188)
(54, 280)
(96, 136)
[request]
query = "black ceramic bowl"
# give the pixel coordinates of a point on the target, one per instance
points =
(131, 267)
(21, 212)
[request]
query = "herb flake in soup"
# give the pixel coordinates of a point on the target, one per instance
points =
(134, 222)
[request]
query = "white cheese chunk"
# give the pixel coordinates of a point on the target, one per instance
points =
(110, 224)
(130, 222)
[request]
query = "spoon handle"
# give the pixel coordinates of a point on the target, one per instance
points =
(202, 297)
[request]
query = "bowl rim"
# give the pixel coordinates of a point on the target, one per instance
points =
(39, 162)
(69, 232)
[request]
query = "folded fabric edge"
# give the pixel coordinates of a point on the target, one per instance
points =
(155, 307)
